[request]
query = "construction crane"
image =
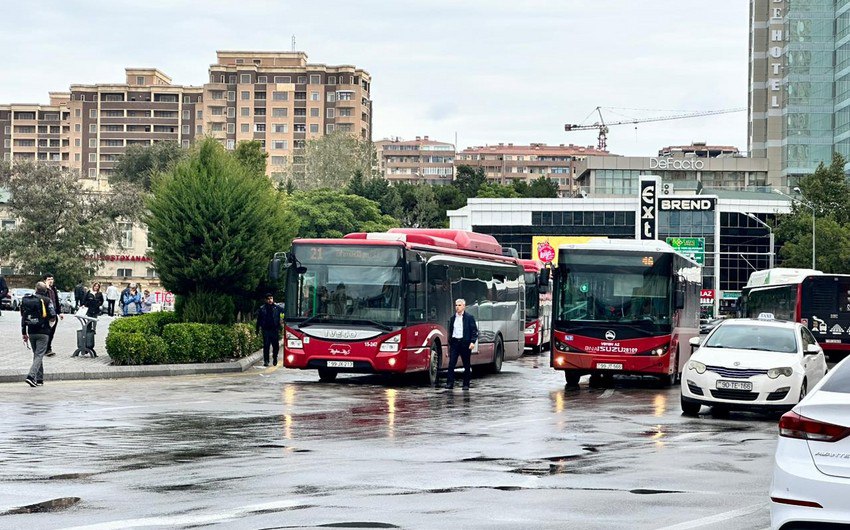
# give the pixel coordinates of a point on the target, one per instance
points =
(602, 143)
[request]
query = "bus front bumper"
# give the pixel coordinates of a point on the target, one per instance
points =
(587, 363)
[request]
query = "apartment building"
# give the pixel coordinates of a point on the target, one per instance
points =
(505, 163)
(416, 161)
(36, 132)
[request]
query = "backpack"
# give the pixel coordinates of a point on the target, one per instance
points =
(34, 310)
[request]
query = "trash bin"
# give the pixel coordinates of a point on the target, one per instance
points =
(85, 336)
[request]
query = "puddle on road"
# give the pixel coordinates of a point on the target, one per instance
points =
(641, 491)
(52, 505)
(357, 524)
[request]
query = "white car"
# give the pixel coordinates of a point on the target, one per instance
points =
(811, 471)
(745, 363)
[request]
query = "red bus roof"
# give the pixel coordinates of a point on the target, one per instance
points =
(531, 265)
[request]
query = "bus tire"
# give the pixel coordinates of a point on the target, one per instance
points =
(327, 375)
(432, 375)
(572, 378)
(668, 380)
(498, 357)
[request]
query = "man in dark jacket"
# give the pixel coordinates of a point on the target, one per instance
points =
(79, 294)
(268, 320)
(53, 295)
(4, 289)
(37, 315)
(463, 333)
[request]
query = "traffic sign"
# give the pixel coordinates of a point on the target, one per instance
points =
(692, 247)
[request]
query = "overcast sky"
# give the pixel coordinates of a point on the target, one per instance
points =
(487, 70)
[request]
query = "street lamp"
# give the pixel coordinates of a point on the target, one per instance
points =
(807, 205)
(770, 232)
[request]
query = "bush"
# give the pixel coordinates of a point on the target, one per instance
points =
(206, 308)
(147, 324)
(136, 348)
(192, 342)
(246, 341)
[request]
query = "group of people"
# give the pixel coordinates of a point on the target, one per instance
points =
(129, 297)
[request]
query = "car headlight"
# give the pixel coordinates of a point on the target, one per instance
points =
(391, 344)
(293, 342)
(773, 373)
(697, 366)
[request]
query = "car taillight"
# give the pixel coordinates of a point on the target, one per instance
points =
(792, 425)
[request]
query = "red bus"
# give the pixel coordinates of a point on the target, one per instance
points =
(381, 302)
(538, 305)
(623, 306)
(819, 301)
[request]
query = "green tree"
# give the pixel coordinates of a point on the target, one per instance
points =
(494, 190)
(330, 161)
(329, 213)
(542, 188)
(140, 164)
(252, 156)
(418, 206)
(828, 190)
(468, 180)
(62, 228)
(832, 245)
(214, 225)
(377, 189)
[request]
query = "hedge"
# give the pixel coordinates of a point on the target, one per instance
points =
(149, 339)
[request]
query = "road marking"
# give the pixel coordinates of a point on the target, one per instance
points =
(189, 520)
(720, 517)
(608, 393)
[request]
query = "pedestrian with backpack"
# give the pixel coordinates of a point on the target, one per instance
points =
(37, 316)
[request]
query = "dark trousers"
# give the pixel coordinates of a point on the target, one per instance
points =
(271, 338)
(38, 343)
(459, 348)
(110, 305)
(50, 335)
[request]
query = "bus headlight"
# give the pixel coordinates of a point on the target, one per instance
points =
(696, 366)
(561, 346)
(391, 344)
(531, 329)
(773, 373)
(293, 342)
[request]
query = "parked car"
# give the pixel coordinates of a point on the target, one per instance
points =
(17, 296)
(66, 302)
(707, 324)
(811, 469)
(6, 301)
(747, 363)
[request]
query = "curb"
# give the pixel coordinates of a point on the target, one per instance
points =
(158, 370)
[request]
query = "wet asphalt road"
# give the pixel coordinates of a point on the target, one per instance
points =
(278, 449)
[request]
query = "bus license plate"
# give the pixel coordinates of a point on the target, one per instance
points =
(609, 366)
(340, 364)
(734, 385)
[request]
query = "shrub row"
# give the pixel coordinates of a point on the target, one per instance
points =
(157, 338)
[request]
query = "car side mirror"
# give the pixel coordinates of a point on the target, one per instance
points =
(812, 349)
(695, 341)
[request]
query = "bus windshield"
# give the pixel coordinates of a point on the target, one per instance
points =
(344, 283)
(632, 288)
(532, 296)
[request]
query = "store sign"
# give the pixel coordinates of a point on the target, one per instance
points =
(707, 204)
(546, 253)
(691, 247)
(706, 296)
(676, 163)
(647, 225)
(730, 295)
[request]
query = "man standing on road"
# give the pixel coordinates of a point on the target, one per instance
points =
(463, 332)
(111, 297)
(268, 319)
(53, 295)
(37, 316)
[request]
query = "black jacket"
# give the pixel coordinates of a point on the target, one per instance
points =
(268, 317)
(470, 328)
(93, 301)
(53, 295)
(4, 289)
(44, 327)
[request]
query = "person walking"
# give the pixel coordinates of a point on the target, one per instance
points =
(53, 295)
(93, 302)
(79, 295)
(4, 290)
(463, 332)
(37, 314)
(112, 294)
(268, 320)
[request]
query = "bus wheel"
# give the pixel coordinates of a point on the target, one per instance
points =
(595, 380)
(671, 379)
(498, 357)
(327, 375)
(572, 378)
(433, 365)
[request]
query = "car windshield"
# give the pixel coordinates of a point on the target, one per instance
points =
(753, 337)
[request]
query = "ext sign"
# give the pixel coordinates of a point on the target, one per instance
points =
(647, 214)
(692, 247)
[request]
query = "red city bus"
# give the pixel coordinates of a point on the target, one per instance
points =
(819, 301)
(538, 305)
(623, 306)
(381, 302)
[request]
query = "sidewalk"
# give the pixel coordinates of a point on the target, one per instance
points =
(15, 358)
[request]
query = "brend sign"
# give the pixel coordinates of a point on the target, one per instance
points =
(701, 205)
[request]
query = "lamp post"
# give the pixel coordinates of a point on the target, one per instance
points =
(809, 206)
(770, 234)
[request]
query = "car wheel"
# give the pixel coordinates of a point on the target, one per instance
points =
(690, 408)
(326, 375)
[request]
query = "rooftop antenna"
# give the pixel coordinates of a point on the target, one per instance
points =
(293, 43)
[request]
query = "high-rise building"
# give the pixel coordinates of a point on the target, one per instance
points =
(799, 85)
(277, 98)
(420, 160)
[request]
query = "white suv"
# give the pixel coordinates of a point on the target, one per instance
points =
(744, 363)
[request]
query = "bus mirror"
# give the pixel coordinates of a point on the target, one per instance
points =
(415, 271)
(680, 300)
(274, 269)
(543, 280)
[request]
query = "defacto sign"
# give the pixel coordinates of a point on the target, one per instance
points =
(647, 214)
(700, 204)
(676, 163)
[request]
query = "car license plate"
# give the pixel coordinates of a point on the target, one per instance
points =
(340, 364)
(609, 366)
(734, 385)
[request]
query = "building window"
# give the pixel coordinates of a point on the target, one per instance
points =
(93, 128)
(280, 96)
(331, 79)
(331, 97)
(278, 160)
(245, 127)
(92, 173)
(329, 128)
(77, 142)
(281, 128)
(76, 157)
(199, 115)
(199, 129)
(231, 128)
(302, 79)
(300, 96)
(300, 113)
(280, 144)
(314, 96)
(231, 144)
(259, 111)
(217, 111)
(124, 273)
(245, 95)
(217, 94)
(92, 143)
(245, 111)
(245, 78)
(231, 112)
(262, 79)
(314, 127)
(231, 95)
(7, 224)
(187, 99)
(260, 95)
(151, 273)
(92, 157)
(185, 144)
(186, 129)
(126, 236)
(279, 113)
(330, 113)
(315, 79)
(231, 79)
(259, 127)
(187, 115)
(314, 113)
(300, 127)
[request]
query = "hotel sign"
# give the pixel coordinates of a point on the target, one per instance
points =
(774, 53)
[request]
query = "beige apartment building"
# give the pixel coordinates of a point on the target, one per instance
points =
(416, 161)
(506, 163)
